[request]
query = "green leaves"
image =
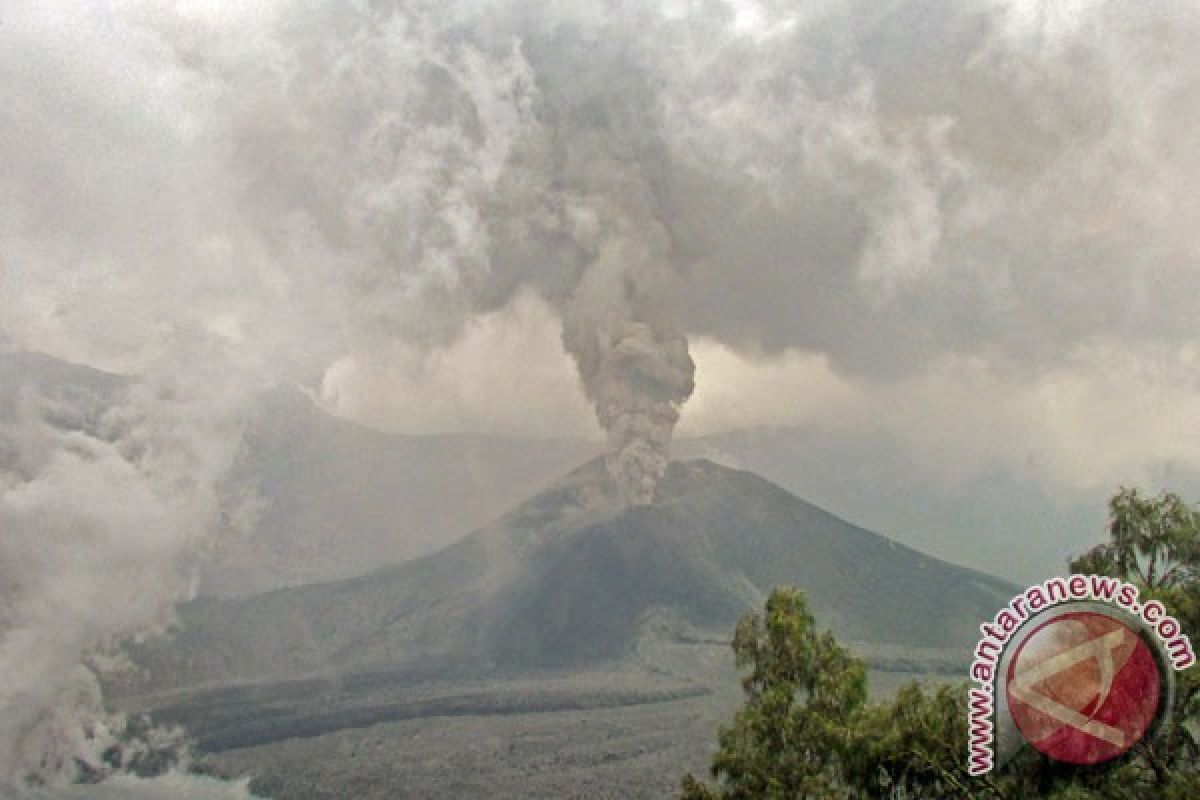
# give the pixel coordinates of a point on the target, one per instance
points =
(806, 730)
(1153, 541)
(786, 741)
(915, 743)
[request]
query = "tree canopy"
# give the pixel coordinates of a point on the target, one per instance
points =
(806, 729)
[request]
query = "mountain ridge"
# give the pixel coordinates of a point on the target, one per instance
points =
(569, 578)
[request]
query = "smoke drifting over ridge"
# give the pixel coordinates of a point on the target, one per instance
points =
(106, 506)
(222, 197)
(326, 181)
(154, 222)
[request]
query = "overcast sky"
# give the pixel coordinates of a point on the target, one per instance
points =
(968, 226)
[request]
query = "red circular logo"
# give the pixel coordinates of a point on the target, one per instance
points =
(1083, 687)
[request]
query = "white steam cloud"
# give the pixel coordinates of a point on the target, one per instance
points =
(104, 514)
(173, 785)
(217, 203)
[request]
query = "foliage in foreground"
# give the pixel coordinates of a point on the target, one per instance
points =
(807, 731)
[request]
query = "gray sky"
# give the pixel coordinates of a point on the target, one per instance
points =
(967, 226)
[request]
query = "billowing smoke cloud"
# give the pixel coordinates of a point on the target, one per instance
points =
(618, 322)
(173, 785)
(216, 215)
(636, 373)
(106, 505)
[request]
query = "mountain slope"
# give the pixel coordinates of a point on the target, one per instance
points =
(343, 499)
(569, 579)
(338, 498)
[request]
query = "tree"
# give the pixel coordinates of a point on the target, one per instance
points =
(806, 730)
(786, 741)
(1153, 541)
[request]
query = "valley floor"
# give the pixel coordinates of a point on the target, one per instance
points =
(626, 735)
(628, 752)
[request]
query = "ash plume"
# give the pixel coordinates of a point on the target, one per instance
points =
(619, 320)
(635, 370)
(587, 191)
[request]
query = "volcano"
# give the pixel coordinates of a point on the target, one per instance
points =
(573, 578)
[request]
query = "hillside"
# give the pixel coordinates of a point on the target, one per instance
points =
(568, 579)
(341, 499)
(338, 499)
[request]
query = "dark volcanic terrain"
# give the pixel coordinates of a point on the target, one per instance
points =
(570, 579)
(571, 611)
